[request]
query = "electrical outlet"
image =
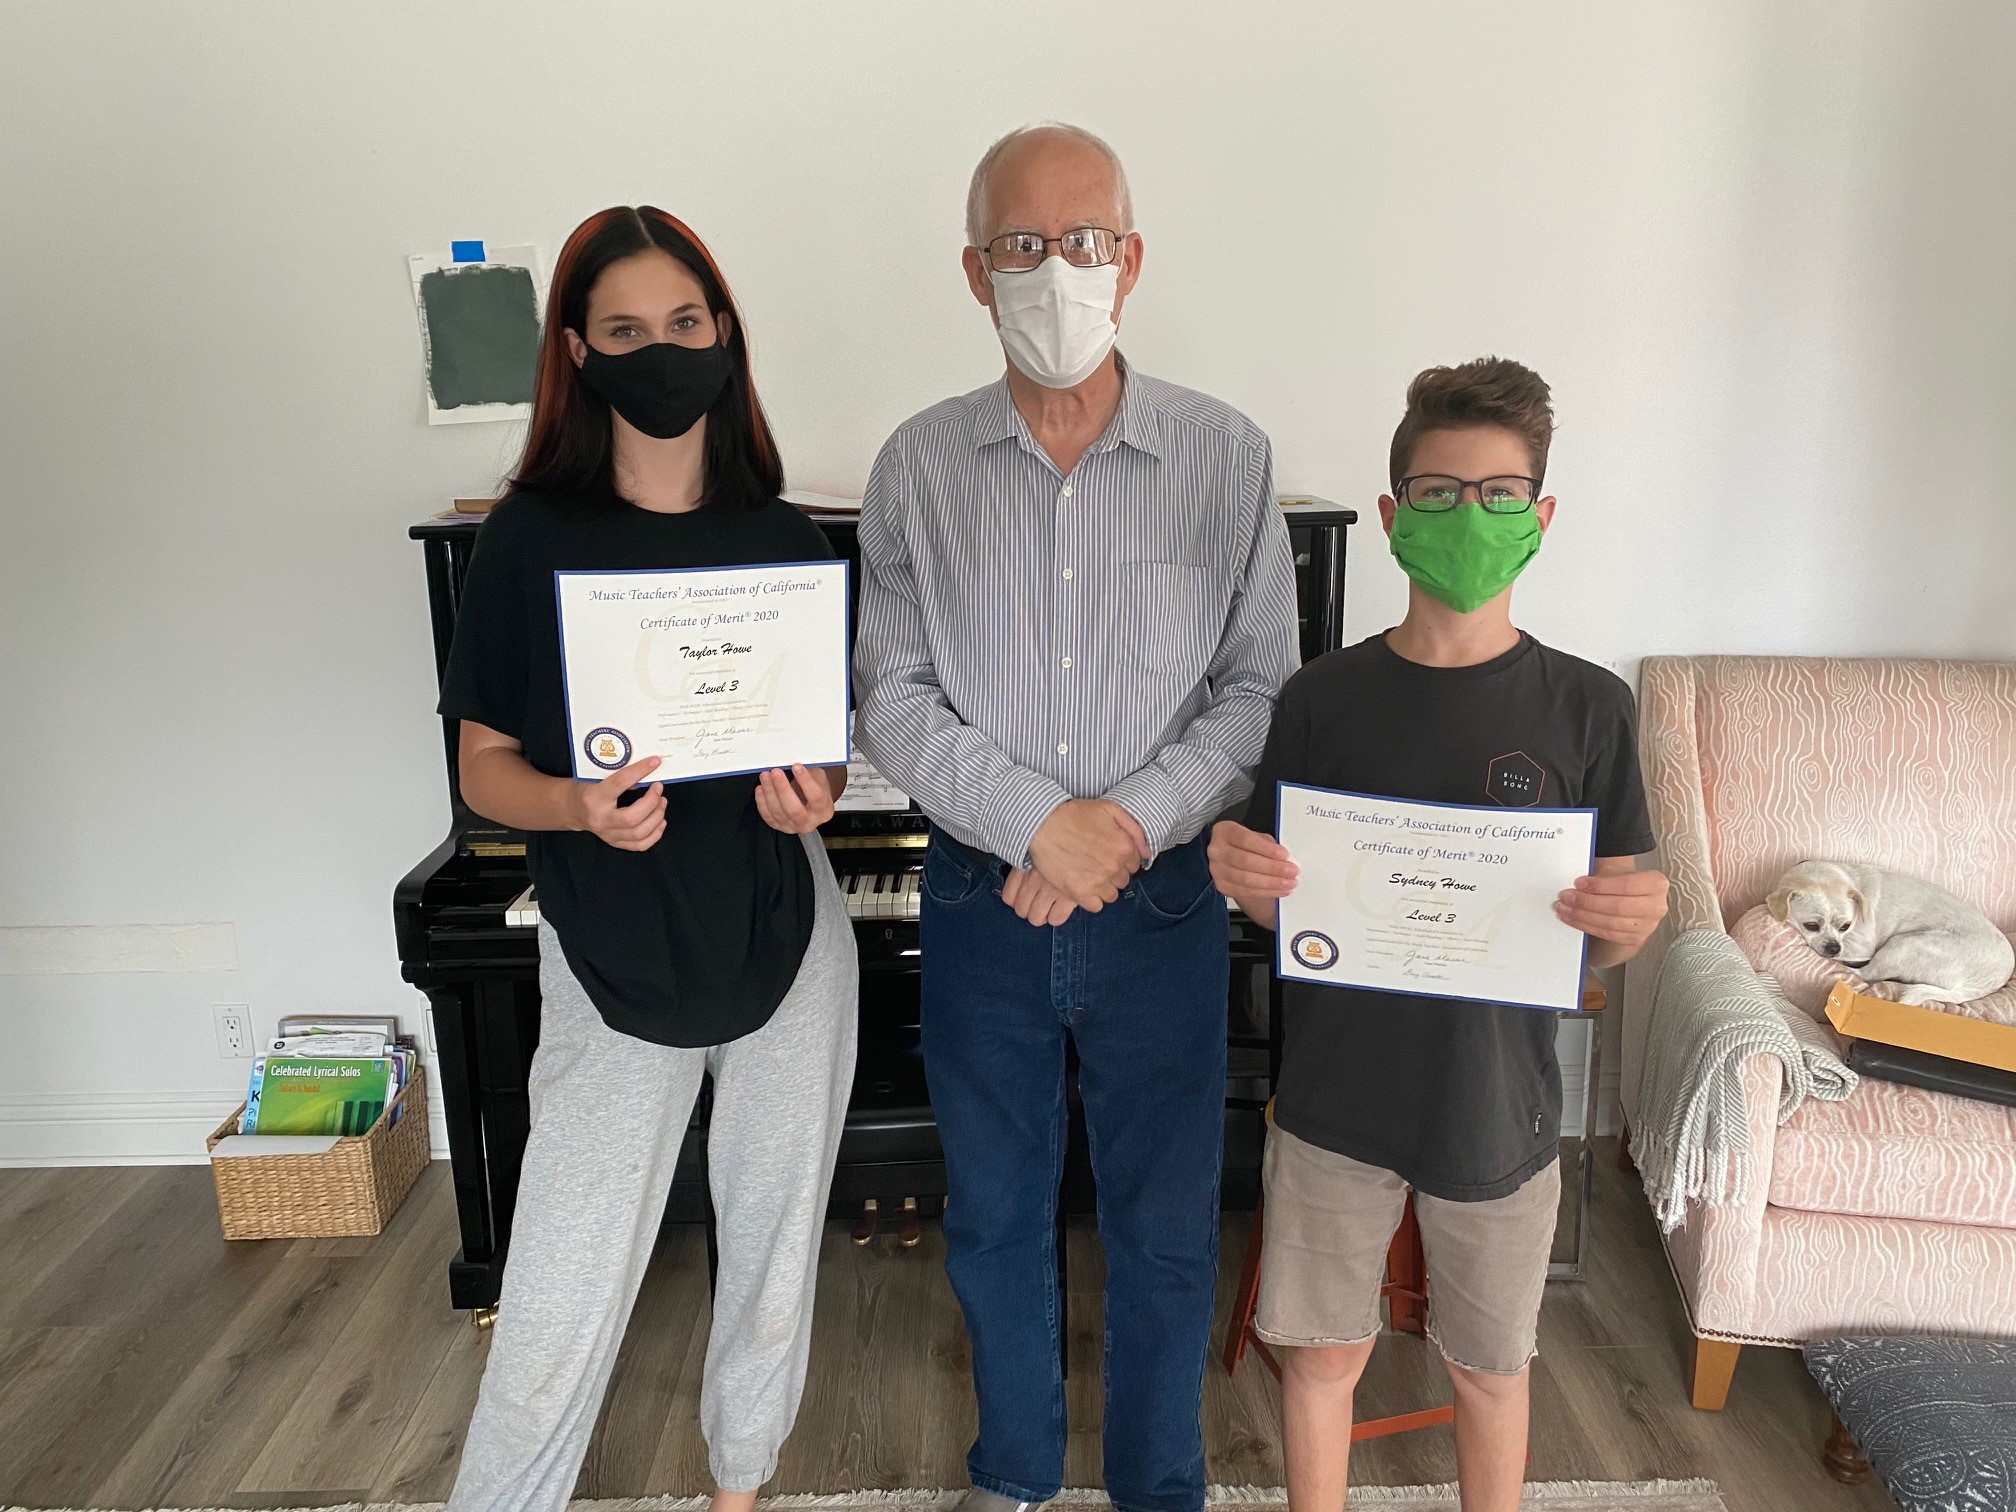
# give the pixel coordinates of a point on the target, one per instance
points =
(234, 1031)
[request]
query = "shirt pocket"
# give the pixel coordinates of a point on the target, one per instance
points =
(1171, 618)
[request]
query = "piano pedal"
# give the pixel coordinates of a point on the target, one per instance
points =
(871, 1219)
(483, 1318)
(910, 1225)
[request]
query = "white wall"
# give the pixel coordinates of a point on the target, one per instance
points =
(1762, 251)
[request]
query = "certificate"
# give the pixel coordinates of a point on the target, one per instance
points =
(1433, 899)
(717, 671)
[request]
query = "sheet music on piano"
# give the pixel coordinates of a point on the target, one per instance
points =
(868, 791)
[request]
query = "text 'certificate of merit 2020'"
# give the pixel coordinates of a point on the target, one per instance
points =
(1433, 899)
(716, 670)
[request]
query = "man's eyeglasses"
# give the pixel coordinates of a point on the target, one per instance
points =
(1435, 493)
(1024, 251)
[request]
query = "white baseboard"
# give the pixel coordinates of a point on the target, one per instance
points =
(123, 1128)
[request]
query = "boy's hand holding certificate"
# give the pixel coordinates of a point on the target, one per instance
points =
(717, 671)
(1430, 898)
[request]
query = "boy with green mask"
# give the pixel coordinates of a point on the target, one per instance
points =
(1459, 1100)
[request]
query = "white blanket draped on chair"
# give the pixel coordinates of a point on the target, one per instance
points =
(1711, 1012)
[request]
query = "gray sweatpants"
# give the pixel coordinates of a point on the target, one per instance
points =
(608, 1115)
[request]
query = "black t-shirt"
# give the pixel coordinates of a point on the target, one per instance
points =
(695, 941)
(1462, 1099)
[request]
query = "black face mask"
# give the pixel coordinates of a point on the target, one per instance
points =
(662, 389)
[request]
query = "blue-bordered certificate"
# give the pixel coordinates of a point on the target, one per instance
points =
(717, 671)
(1432, 899)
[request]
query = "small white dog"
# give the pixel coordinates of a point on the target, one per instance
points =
(1909, 940)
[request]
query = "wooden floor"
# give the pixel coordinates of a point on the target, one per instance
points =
(144, 1362)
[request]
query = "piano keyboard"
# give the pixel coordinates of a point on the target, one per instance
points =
(869, 895)
(881, 895)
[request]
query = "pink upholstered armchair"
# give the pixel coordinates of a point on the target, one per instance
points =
(1894, 1211)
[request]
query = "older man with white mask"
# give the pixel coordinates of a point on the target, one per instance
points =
(1077, 607)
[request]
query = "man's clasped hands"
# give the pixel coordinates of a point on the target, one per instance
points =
(1081, 857)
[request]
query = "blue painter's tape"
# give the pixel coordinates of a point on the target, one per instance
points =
(466, 251)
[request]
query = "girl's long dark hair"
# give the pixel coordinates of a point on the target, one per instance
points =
(568, 449)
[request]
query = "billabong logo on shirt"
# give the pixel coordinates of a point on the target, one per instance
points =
(608, 748)
(1314, 950)
(1515, 779)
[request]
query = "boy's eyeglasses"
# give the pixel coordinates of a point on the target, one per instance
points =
(1024, 251)
(1435, 493)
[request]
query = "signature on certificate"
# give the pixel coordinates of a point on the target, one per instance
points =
(1428, 965)
(719, 740)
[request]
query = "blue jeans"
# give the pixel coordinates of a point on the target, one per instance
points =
(1141, 988)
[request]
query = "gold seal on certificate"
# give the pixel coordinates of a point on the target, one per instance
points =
(716, 671)
(1433, 899)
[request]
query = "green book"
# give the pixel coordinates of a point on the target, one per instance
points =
(302, 1094)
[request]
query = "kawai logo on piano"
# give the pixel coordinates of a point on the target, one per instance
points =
(608, 748)
(1315, 950)
(1515, 780)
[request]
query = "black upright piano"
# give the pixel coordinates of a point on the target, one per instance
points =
(465, 921)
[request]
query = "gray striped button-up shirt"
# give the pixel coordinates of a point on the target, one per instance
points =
(1026, 637)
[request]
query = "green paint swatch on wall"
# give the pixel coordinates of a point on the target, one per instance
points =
(482, 334)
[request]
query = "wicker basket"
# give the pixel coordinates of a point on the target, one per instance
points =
(353, 1188)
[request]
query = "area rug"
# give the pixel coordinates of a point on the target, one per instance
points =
(1541, 1496)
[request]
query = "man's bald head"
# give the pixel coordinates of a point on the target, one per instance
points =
(1051, 147)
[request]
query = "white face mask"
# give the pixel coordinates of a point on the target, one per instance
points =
(1057, 320)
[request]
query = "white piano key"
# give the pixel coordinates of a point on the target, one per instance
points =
(523, 911)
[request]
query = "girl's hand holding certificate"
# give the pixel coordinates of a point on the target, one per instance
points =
(796, 802)
(598, 807)
(801, 809)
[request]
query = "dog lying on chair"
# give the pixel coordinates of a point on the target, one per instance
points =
(1911, 941)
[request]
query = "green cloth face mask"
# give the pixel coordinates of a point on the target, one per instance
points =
(1466, 556)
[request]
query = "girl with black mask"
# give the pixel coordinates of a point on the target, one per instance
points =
(695, 928)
